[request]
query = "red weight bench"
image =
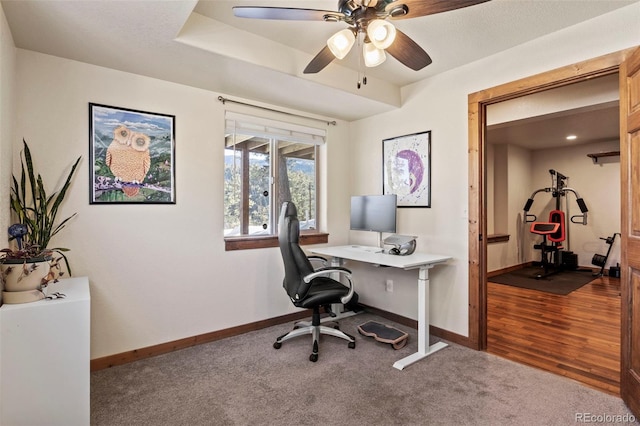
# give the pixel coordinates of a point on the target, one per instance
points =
(553, 232)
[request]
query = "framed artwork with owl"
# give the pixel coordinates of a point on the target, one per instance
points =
(406, 169)
(132, 156)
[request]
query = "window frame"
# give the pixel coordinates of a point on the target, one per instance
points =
(246, 242)
(307, 237)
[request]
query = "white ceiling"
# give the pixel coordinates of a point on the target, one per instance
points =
(599, 123)
(452, 39)
(588, 110)
(202, 44)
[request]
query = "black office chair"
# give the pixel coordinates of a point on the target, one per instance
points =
(306, 287)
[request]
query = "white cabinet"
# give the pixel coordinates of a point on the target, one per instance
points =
(45, 358)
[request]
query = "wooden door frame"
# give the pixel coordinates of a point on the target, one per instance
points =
(592, 68)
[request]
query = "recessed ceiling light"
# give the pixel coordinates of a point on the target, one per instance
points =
(572, 137)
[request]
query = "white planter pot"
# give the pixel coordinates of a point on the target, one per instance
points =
(24, 275)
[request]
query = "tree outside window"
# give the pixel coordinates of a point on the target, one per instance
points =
(257, 182)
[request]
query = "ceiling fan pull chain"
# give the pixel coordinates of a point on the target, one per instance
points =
(360, 71)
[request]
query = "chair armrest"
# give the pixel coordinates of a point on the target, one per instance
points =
(326, 271)
(329, 270)
(318, 259)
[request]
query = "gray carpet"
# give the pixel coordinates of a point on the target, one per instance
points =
(244, 381)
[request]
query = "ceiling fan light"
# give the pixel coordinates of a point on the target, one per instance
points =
(381, 33)
(372, 55)
(341, 42)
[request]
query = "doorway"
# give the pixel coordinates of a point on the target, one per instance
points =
(478, 102)
(543, 321)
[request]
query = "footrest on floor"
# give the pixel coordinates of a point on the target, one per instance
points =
(384, 333)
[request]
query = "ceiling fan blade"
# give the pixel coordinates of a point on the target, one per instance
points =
(407, 51)
(322, 59)
(287, 13)
(428, 7)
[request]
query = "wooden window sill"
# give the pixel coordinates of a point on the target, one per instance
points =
(497, 238)
(247, 242)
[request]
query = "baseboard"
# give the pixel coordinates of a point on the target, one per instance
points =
(508, 269)
(163, 348)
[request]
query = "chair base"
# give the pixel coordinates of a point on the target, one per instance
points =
(315, 329)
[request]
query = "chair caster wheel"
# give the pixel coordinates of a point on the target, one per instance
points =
(277, 345)
(352, 345)
(313, 357)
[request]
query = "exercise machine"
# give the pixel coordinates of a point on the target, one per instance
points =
(600, 260)
(548, 252)
(553, 256)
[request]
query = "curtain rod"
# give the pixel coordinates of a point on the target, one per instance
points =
(223, 100)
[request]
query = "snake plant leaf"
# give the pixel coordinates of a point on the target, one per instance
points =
(34, 208)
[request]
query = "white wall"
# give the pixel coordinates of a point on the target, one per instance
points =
(157, 272)
(517, 165)
(160, 273)
(598, 184)
(7, 75)
(439, 104)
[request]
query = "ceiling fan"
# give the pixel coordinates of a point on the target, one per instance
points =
(368, 24)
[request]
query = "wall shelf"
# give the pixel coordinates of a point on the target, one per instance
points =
(497, 238)
(598, 155)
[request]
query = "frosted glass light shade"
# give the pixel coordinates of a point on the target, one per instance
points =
(372, 55)
(381, 33)
(341, 42)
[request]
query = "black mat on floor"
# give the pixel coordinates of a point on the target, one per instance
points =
(561, 283)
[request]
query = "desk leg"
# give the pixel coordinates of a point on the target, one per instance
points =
(424, 349)
(338, 308)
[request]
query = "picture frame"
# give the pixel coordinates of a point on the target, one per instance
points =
(132, 156)
(406, 169)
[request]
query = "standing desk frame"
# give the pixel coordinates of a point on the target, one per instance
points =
(421, 261)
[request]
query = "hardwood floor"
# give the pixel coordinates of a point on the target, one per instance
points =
(577, 335)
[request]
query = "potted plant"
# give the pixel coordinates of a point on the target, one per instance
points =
(27, 268)
(32, 263)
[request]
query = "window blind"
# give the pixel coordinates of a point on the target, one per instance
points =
(241, 124)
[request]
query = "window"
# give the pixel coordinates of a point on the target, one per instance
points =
(266, 163)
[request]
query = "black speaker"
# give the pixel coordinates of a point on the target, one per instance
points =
(569, 260)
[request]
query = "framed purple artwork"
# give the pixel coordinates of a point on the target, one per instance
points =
(406, 168)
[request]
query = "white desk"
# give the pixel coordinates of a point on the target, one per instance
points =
(421, 261)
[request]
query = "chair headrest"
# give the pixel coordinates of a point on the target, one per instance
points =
(288, 228)
(291, 210)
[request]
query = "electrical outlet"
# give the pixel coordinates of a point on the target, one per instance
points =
(389, 287)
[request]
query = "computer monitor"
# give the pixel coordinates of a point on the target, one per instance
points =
(375, 213)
